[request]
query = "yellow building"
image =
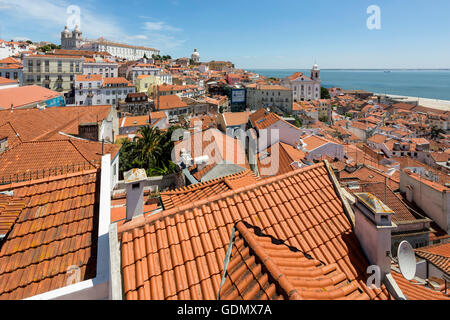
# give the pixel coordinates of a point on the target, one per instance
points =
(55, 72)
(147, 84)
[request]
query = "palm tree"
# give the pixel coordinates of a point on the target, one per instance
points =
(149, 146)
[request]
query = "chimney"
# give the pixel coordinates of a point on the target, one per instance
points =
(134, 181)
(373, 226)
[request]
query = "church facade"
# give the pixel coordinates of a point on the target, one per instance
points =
(304, 88)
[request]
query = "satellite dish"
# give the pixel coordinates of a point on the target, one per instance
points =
(406, 260)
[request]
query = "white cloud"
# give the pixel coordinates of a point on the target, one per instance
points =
(52, 14)
(159, 26)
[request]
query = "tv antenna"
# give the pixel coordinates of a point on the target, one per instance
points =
(406, 260)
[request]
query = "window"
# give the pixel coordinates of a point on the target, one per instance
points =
(59, 77)
(7, 75)
(47, 78)
(30, 65)
(59, 66)
(38, 78)
(47, 65)
(71, 66)
(15, 75)
(38, 65)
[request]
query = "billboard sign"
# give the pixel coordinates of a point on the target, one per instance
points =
(237, 96)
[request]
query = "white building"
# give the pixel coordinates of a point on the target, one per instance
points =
(97, 65)
(96, 90)
(120, 50)
(304, 88)
(12, 48)
(195, 56)
(75, 41)
(143, 69)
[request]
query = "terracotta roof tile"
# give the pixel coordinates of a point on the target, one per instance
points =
(53, 232)
(263, 267)
(10, 208)
(236, 118)
(169, 102)
(23, 96)
(203, 190)
(179, 253)
(47, 123)
(439, 255)
(415, 291)
(278, 159)
(32, 158)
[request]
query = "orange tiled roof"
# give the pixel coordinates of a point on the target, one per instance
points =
(22, 96)
(32, 158)
(9, 60)
(203, 190)
(313, 142)
(10, 208)
(265, 121)
(287, 154)
(7, 130)
(367, 175)
(377, 138)
(402, 213)
(179, 253)
(169, 102)
(117, 80)
(265, 268)
(90, 77)
(7, 81)
(236, 118)
(47, 123)
(415, 291)
(439, 255)
(54, 231)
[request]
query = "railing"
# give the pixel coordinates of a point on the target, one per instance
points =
(49, 172)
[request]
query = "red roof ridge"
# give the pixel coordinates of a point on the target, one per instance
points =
(203, 184)
(76, 148)
(141, 221)
(268, 262)
(47, 179)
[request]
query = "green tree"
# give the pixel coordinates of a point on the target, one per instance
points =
(298, 122)
(436, 132)
(151, 150)
(324, 93)
(323, 119)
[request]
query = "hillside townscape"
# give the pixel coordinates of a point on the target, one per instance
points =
(130, 174)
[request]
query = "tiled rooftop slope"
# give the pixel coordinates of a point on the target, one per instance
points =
(54, 230)
(262, 267)
(179, 253)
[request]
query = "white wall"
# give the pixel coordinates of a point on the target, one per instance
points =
(436, 204)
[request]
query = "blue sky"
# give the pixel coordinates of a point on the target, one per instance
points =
(253, 33)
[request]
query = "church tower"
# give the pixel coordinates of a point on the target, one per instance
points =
(65, 38)
(315, 73)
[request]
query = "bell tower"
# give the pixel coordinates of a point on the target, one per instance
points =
(315, 73)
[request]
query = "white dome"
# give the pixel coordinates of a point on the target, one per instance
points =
(195, 53)
(315, 67)
(66, 31)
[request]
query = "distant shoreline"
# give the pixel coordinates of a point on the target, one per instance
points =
(425, 102)
(354, 69)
